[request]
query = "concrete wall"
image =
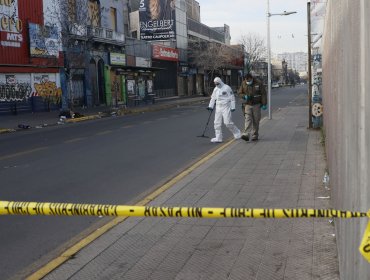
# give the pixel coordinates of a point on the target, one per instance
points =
(346, 99)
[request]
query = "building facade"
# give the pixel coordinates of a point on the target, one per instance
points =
(30, 58)
(68, 54)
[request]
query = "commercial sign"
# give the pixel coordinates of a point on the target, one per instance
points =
(157, 20)
(165, 53)
(10, 25)
(117, 59)
(142, 61)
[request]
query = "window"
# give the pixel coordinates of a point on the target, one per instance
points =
(94, 14)
(113, 18)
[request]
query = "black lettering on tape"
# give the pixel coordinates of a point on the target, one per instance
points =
(51, 209)
(154, 211)
(333, 213)
(163, 211)
(198, 212)
(147, 212)
(132, 210)
(320, 213)
(285, 212)
(178, 213)
(304, 213)
(353, 214)
(92, 209)
(106, 210)
(99, 211)
(241, 213)
(7, 208)
(65, 209)
(366, 248)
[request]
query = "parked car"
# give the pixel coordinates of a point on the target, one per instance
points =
(274, 85)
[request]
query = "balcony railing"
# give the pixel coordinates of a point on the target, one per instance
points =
(78, 29)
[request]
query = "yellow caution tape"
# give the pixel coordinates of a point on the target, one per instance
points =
(75, 209)
(365, 244)
(71, 209)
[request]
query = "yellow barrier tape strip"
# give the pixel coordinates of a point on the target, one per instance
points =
(71, 209)
(365, 244)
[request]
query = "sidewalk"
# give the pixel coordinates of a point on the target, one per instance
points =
(283, 170)
(10, 123)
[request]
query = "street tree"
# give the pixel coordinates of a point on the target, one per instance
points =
(212, 57)
(255, 49)
(71, 18)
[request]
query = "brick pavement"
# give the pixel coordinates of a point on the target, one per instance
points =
(283, 170)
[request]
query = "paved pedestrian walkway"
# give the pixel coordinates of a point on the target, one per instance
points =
(12, 123)
(282, 170)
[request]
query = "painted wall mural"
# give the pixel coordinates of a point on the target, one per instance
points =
(317, 108)
(47, 89)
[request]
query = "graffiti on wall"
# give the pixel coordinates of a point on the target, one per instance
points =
(317, 108)
(20, 87)
(13, 90)
(47, 89)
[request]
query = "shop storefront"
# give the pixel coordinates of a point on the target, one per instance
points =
(165, 81)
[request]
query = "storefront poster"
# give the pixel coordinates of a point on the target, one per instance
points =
(130, 87)
(157, 20)
(44, 41)
(150, 86)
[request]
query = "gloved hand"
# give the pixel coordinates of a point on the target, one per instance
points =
(263, 107)
(232, 110)
(209, 108)
(245, 97)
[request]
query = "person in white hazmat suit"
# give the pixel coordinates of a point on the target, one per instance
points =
(224, 99)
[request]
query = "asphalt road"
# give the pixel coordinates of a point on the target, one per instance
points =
(108, 161)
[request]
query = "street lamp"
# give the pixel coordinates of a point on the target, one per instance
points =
(285, 13)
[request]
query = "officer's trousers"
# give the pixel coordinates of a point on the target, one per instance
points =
(252, 115)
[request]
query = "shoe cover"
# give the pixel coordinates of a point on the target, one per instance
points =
(215, 140)
(237, 136)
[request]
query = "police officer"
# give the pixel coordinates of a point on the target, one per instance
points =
(253, 94)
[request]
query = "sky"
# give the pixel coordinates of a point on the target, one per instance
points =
(287, 33)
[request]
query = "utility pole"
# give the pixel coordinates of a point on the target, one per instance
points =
(309, 66)
(268, 62)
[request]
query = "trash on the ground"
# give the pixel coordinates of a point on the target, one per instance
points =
(66, 114)
(38, 126)
(323, 197)
(326, 180)
(331, 220)
(24, 126)
(76, 115)
(10, 166)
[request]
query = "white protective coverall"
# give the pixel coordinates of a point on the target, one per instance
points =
(224, 98)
